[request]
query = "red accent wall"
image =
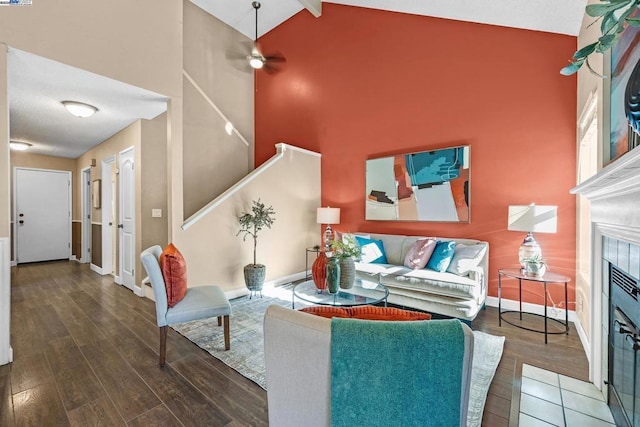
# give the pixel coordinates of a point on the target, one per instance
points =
(361, 83)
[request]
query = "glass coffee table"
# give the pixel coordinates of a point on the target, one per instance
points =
(363, 292)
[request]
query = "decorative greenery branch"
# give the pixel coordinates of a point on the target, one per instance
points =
(347, 247)
(252, 223)
(614, 15)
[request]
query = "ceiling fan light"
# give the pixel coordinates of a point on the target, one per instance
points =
(19, 145)
(80, 109)
(256, 61)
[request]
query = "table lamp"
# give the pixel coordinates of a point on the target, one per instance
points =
(532, 218)
(328, 216)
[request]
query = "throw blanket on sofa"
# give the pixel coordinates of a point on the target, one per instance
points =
(396, 373)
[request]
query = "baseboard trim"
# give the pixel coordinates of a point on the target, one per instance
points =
(118, 280)
(583, 339)
(240, 292)
(14, 263)
(552, 312)
(95, 268)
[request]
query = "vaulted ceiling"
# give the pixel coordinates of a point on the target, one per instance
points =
(37, 116)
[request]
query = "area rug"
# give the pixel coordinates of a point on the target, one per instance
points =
(247, 357)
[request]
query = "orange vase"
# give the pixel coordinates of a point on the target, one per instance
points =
(319, 271)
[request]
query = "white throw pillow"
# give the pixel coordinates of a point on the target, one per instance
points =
(465, 258)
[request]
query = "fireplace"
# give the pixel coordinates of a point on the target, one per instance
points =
(623, 345)
(612, 309)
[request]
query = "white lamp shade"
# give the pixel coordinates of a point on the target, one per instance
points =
(533, 218)
(328, 215)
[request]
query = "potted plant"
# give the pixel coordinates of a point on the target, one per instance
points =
(347, 251)
(534, 265)
(250, 224)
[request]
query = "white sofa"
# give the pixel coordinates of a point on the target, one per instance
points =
(297, 351)
(449, 294)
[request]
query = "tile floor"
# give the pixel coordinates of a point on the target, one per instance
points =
(550, 399)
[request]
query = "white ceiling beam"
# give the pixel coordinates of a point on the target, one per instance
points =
(313, 6)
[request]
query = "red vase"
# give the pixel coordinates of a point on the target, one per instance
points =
(319, 271)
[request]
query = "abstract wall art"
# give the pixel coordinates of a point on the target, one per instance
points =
(625, 94)
(425, 186)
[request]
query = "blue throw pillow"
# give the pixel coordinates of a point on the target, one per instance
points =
(372, 251)
(441, 257)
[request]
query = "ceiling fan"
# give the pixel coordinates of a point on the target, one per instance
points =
(256, 59)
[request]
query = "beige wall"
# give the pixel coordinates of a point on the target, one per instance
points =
(4, 146)
(130, 136)
(139, 43)
(213, 159)
(154, 182)
(216, 256)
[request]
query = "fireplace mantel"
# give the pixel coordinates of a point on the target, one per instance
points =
(616, 179)
(614, 195)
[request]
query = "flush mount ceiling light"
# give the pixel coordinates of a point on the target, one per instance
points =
(19, 145)
(80, 109)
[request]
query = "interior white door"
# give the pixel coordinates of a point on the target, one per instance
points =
(86, 216)
(108, 218)
(126, 224)
(42, 215)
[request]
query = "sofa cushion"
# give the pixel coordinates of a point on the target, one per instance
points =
(174, 273)
(466, 257)
(367, 312)
(428, 282)
(419, 254)
(372, 250)
(442, 255)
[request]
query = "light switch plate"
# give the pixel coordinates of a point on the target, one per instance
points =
(156, 213)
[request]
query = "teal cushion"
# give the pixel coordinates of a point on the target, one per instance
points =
(372, 251)
(441, 257)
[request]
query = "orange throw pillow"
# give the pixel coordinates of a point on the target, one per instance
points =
(368, 312)
(174, 272)
(326, 311)
(371, 312)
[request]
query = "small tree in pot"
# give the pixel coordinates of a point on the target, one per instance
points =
(250, 224)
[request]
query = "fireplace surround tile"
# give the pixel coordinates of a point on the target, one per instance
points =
(634, 261)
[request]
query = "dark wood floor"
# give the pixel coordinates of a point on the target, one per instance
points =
(85, 353)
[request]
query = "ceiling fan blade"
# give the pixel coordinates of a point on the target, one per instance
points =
(276, 57)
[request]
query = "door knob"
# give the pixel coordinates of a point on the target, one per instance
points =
(120, 225)
(21, 222)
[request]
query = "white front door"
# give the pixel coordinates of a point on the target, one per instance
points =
(126, 223)
(42, 214)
